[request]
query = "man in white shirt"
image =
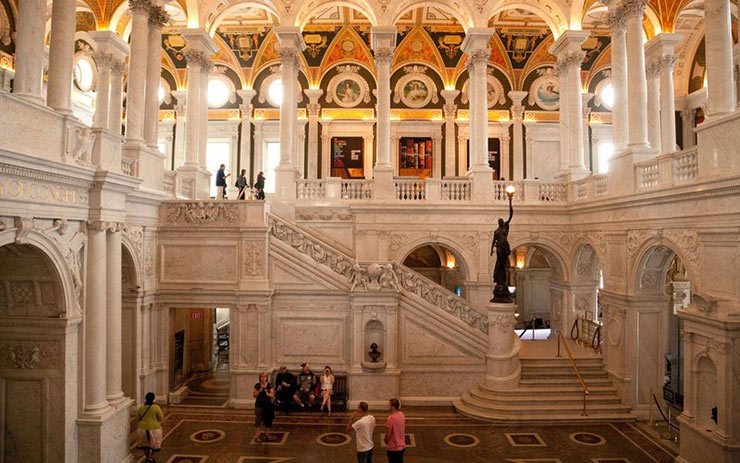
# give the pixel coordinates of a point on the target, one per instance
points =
(364, 426)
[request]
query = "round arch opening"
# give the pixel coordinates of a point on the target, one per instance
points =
(440, 264)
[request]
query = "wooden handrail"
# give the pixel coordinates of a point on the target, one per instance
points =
(575, 368)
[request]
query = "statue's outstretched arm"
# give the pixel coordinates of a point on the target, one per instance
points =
(511, 212)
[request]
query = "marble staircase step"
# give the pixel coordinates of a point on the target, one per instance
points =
(551, 391)
(547, 382)
(575, 399)
(572, 417)
(543, 409)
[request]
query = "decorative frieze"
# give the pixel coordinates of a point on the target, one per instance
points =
(324, 214)
(29, 355)
(200, 213)
(384, 56)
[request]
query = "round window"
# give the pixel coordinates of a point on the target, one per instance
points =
(275, 92)
(218, 93)
(607, 96)
(84, 74)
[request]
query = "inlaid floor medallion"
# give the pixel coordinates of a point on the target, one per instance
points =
(333, 439)
(207, 436)
(187, 459)
(525, 439)
(272, 438)
(461, 440)
(587, 438)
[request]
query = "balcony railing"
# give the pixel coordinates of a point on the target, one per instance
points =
(457, 190)
(591, 187)
(357, 189)
(667, 170)
(310, 189)
(168, 182)
(128, 167)
(410, 189)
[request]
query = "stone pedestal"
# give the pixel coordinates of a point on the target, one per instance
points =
(383, 187)
(502, 360)
(103, 438)
(149, 163)
(201, 179)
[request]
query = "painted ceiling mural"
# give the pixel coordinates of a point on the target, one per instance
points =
(427, 36)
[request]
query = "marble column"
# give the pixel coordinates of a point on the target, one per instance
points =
(61, 55)
(505, 154)
(652, 72)
(115, 115)
(114, 392)
(636, 82)
(245, 148)
(157, 18)
(450, 140)
(289, 50)
(313, 108)
(616, 20)
(29, 50)
(206, 66)
(659, 52)
(96, 401)
(180, 123)
(195, 59)
(586, 99)
(688, 123)
(721, 94)
(517, 116)
(135, 97)
(472, 122)
(570, 56)
(384, 43)
(103, 62)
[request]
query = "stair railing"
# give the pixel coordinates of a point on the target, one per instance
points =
(575, 368)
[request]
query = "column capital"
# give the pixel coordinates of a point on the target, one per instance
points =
(449, 95)
(195, 57)
(313, 94)
(158, 16)
(246, 96)
(652, 69)
(181, 101)
(110, 42)
(118, 66)
(569, 60)
(567, 45)
(477, 38)
(139, 6)
(200, 40)
(382, 38)
(289, 55)
(103, 59)
(661, 45)
(616, 20)
(634, 8)
(517, 97)
(290, 37)
(688, 113)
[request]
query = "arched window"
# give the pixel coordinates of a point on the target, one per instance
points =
(84, 74)
(218, 93)
(275, 92)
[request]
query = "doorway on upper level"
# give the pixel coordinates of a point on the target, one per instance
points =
(199, 360)
(439, 264)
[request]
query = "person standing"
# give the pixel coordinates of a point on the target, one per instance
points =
(395, 432)
(221, 182)
(364, 425)
(241, 183)
(263, 408)
(149, 417)
(259, 185)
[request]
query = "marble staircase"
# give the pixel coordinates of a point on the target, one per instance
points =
(549, 391)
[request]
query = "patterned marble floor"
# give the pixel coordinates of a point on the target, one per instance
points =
(433, 436)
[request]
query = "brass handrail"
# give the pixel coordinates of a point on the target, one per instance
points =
(575, 368)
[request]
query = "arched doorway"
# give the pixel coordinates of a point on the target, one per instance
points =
(535, 277)
(439, 264)
(663, 282)
(34, 339)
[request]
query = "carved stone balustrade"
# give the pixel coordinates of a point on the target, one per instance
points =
(212, 213)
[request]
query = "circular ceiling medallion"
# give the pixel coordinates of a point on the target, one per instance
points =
(587, 438)
(207, 436)
(334, 439)
(461, 440)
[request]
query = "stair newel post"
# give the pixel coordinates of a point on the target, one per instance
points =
(504, 367)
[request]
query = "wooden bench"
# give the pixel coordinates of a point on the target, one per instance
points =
(338, 399)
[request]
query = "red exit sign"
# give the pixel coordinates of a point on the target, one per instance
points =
(196, 315)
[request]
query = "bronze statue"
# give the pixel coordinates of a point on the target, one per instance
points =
(374, 353)
(501, 244)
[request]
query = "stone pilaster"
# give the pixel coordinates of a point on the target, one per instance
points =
(61, 55)
(29, 50)
(313, 95)
(450, 140)
(652, 72)
(384, 44)
(96, 402)
(180, 123)
(113, 337)
(570, 56)
(115, 119)
(517, 116)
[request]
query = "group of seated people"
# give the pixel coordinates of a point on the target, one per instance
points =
(304, 389)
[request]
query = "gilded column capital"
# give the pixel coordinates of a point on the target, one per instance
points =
(570, 59)
(384, 56)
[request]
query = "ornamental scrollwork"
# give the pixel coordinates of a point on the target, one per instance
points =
(200, 213)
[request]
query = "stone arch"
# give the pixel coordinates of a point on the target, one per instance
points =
(211, 22)
(555, 257)
(460, 10)
(551, 13)
(56, 259)
(303, 15)
(653, 258)
(465, 260)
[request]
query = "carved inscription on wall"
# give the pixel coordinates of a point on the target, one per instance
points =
(194, 263)
(24, 190)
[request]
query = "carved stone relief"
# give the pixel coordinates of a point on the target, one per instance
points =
(324, 214)
(254, 259)
(200, 213)
(29, 355)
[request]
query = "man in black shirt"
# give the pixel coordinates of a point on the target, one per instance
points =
(306, 386)
(285, 385)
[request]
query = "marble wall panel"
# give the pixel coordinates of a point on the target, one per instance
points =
(24, 403)
(422, 345)
(199, 263)
(315, 339)
(439, 383)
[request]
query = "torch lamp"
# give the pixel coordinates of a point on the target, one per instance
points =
(510, 190)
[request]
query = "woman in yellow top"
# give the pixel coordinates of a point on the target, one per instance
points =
(150, 419)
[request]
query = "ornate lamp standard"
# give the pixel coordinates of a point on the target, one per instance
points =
(500, 244)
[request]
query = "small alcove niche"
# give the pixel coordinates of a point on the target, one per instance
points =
(374, 333)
